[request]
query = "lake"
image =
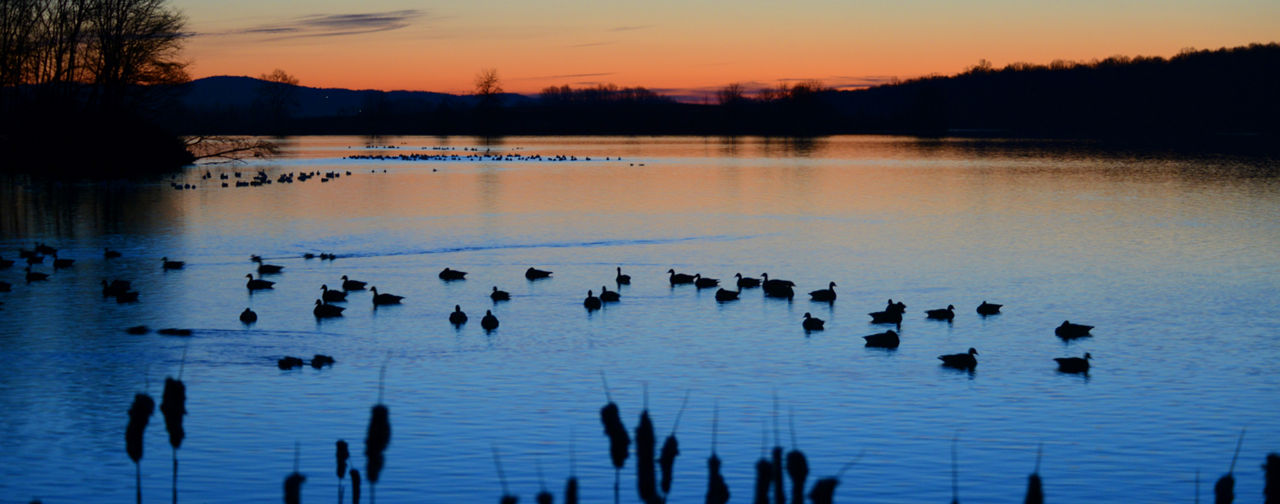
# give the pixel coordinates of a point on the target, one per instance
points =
(1172, 257)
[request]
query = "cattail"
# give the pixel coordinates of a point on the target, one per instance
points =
(824, 490)
(1224, 490)
(571, 485)
(955, 486)
(670, 449)
(779, 493)
(293, 488)
(797, 466)
(645, 444)
(764, 470)
(619, 440)
(1272, 489)
(174, 408)
(376, 439)
(507, 496)
(139, 415)
(342, 456)
(355, 486)
(717, 490)
(1035, 493)
(544, 496)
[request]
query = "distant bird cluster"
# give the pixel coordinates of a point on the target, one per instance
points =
(260, 178)
(477, 157)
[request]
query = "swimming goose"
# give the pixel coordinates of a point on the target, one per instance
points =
(622, 279)
(535, 273)
(269, 269)
(679, 278)
(499, 295)
(257, 283)
(45, 249)
(947, 313)
(1074, 364)
(828, 294)
(960, 360)
(452, 274)
(384, 299)
(318, 361)
(115, 287)
(775, 282)
(325, 310)
(35, 276)
(109, 254)
(591, 302)
(331, 296)
(127, 297)
(746, 282)
(986, 308)
(288, 363)
(779, 290)
(165, 263)
(886, 317)
(62, 263)
(887, 339)
(812, 323)
(1068, 330)
(704, 283)
(899, 307)
(723, 294)
(457, 317)
(608, 296)
(489, 322)
(351, 285)
(248, 316)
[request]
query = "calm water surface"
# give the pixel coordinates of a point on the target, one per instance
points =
(1172, 257)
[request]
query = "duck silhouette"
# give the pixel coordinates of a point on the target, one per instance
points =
(35, 276)
(332, 296)
(622, 279)
(248, 316)
(723, 295)
(109, 254)
(947, 313)
(489, 322)
(535, 273)
(702, 282)
(679, 278)
(591, 302)
(384, 299)
(325, 310)
(1074, 364)
(457, 317)
(887, 339)
(746, 282)
(812, 323)
(608, 296)
(1069, 331)
(166, 264)
(828, 294)
(452, 274)
(986, 308)
(351, 285)
(960, 360)
(499, 295)
(266, 269)
(257, 283)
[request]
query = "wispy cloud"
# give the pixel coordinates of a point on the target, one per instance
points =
(565, 76)
(330, 25)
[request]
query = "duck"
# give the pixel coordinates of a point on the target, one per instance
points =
(351, 285)
(332, 296)
(384, 299)
(608, 296)
(621, 279)
(887, 339)
(746, 282)
(775, 282)
(127, 297)
(947, 313)
(779, 291)
(489, 322)
(166, 264)
(679, 278)
(257, 283)
(62, 263)
(36, 276)
(1068, 330)
(886, 317)
(702, 282)
(960, 360)
(248, 316)
(723, 294)
(266, 269)
(828, 294)
(136, 330)
(457, 317)
(325, 310)
(318, 361)
(986, 308)
(286, 363)
(115, 288)
(1074, 364)
(591, 302)
(812, 323)
(535, 273)
(899, 307)
(499, 295)
(452, 274)
(107, 253)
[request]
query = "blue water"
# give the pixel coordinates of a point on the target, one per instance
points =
(1171, 256)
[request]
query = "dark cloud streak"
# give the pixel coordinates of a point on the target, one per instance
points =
(331, 25)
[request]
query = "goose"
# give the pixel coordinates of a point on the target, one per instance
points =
(1074, 364)
(702, 282)
(812, 323)
(6, 286)
(384, 299)
(5, 263)
(535, 273)
(723, 294)
(499, 295)
(173, 331)
(332, 296)
(886, 317)
(887, 339)
(947, 313)
(899, 307)
(136, 330)
(621, 279)
(351, 285)
(127, 297)
(288, 363)
(608, 296)
(828, 294)
(318, 361)
(1071, 331)
(115, 287)
(36, 276)
(45, 249)
(257, 283)
(325, 310)
(746, 282)
(248, 316)
(986, 308)
(679, 278)
(268, 269)
(457, 317)
(452, 274)
(960, 360)
(591, 302)
(779, 291)
(62, 263)
(107, 253)
(775, 282)
(165, 263)
(489, 322)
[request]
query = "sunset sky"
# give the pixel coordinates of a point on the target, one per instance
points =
(679, 46)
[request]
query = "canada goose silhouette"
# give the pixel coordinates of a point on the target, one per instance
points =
(109, 254)
(775, 282)
(702, 282)
(886, 317)
(257, 283)
(248, 316)
(173, 331)
(591, 302)
(899, 307)
(286, 363)
(457, 317)
(746, 282)
(679, 278)
(622, 279)
(1069, 331)
(325, 310)
(452, 274)
(5, 263)
(266, 269)
(535, 273)
(62, 263)
(116, 287)
(384, 299)
(608, 296)
(828, 294)
(986, 308)
(887, 339)
(318, 361)
(331, 296)
(947, 313)
(1074, 364)
(45, 249)
(489, 322)
(960, 360)
(779, 291)
(499, 295)
(812, 323)
(136, 330)
(351, 285)
(127, 297)
(36, 276)
(723, 295)
(166, 264)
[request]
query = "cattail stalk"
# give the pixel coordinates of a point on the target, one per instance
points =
(174, 408)
(139, 416)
